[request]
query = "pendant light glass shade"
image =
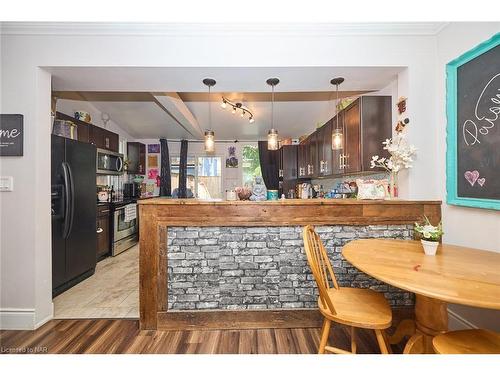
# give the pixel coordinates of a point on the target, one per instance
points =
(337, 140)
(272, 135)
(337, 135)
(272, 140)
(209, 134)
(209, 141)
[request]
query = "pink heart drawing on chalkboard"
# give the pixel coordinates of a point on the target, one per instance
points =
(471, 177)
(481, 181)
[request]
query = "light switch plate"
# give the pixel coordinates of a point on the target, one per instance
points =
(6, 183)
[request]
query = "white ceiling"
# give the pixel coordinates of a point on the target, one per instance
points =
(292, 119)
(143, 119)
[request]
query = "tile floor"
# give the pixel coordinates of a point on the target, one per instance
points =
(112, 292)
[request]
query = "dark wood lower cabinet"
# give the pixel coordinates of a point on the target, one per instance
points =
(103, 228)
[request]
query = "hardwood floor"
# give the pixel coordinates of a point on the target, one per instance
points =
(124, 336)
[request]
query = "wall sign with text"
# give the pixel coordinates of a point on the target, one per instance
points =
(11, 135)
(473, 129)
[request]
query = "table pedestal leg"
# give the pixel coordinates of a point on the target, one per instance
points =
(405, 328)
(431, 319)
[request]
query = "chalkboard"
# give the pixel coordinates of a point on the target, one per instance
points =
(11, 135)
(473, 129)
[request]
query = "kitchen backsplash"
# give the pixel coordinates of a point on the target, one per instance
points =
(331, 183)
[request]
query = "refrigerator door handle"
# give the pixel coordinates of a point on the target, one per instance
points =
(69, 203)
(119, 164)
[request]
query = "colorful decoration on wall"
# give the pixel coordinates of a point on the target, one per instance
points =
(402, 122)
(152, 161)
(232, 160)
(152, 173)
(401, 104)
(154, 148)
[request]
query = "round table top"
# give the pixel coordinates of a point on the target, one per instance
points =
(455, 274)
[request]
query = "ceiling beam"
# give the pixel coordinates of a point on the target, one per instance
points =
(248, 97)
(172, 104)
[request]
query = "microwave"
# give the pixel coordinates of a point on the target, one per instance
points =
(109, 162)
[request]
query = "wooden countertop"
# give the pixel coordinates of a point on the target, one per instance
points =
(286, 202)
(194, 212)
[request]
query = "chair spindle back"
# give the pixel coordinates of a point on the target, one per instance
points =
(320, 265)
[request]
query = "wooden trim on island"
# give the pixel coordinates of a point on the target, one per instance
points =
(155, 215)
(239, 319)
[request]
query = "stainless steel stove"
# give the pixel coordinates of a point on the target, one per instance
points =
(125, 233)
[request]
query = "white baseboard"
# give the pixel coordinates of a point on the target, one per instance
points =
(457, 322)
(17, 318)
(21, 319)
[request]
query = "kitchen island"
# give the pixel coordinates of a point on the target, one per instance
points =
(241, 264)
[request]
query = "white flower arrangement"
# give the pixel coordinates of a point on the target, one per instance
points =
(401, 155)
(428, 231)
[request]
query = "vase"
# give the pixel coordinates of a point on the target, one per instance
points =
(393, 185)
(430, 247)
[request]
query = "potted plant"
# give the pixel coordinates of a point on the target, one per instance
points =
(430, 236)
(401, 158)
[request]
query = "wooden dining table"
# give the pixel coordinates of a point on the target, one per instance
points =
(455, 274)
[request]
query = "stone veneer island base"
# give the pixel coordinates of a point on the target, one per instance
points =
(206, 264)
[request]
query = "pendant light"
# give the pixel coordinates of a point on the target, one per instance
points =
(337, 135)
(209, 134)
(272, 135)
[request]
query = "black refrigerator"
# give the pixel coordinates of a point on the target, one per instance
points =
(73, 198)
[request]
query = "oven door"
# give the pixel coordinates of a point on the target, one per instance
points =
(109, 162)
(122, 228)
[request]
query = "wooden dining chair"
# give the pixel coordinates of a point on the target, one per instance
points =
(354, 307)
(469, 341)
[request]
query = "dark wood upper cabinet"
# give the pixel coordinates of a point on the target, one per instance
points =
(82, 127)
(302, 160)
(376, 127)
(288, 161)
(312, 160)
(352, 138)
(103, 138)
(367, 123)
(95, 135)
(136, 155)
(288, 168)
(325, 152)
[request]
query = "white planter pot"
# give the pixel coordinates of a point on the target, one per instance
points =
(430, 247)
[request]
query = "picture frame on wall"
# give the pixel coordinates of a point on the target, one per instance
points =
(473, 127)
(11, 135)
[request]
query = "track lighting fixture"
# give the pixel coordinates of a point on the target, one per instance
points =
(235, 107)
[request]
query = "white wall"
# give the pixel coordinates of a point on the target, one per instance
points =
(25, 269)
(478, 228)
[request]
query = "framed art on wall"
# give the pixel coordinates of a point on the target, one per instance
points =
(11, 135)
(473, 127)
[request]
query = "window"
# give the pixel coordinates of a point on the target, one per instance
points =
(204, 177)
(250, 164)
(209, 181)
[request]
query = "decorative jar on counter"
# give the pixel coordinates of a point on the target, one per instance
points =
(231, 195)
(272, 195)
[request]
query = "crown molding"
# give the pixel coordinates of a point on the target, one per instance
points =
(219, 29)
